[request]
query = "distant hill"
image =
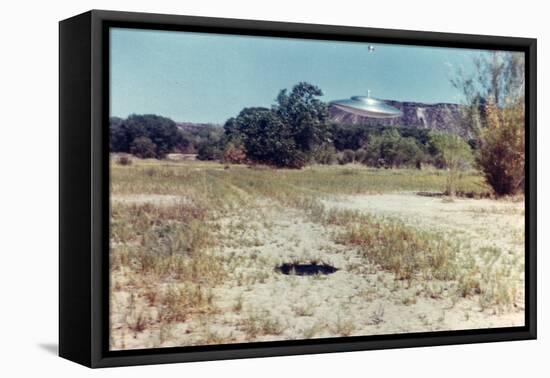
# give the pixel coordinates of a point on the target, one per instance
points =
(417, 115)
(194, 127)
(440, 116)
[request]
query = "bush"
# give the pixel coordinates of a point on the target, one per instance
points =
(451, 152)
(143, 147)
(124, 160)
(324, 154)
(234, 154)
(361, 155)
(495, 111)
(346, 157)
(355, 137)
(502, 148)
(390, 149)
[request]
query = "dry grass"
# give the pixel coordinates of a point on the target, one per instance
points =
(261, 323)
(406, 252)
(169, 221)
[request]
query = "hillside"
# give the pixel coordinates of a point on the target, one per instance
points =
(441, 116)
(194, 127)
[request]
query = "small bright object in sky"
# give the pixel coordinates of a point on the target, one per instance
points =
(371, 48)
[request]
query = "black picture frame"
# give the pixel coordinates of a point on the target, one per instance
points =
(84, 188)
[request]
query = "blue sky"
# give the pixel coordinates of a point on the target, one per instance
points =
(198, 77)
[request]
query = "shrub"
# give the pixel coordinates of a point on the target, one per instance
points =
(453, 153)
(502, 148)
(495, 111)
(143, 147)
(234, 154)
(390, 149)
(346, 157)
(124, 160)
(324, 154)
(361, 155)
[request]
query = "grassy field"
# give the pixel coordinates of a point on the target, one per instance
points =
(195, 247)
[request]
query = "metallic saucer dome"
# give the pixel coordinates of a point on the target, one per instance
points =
(367, 106)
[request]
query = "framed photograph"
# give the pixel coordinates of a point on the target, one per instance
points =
(234, 188)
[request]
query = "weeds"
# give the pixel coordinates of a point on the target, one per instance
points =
(402, 250)
(344, 327)
(180, 302)
(261, 323)
(377, 316)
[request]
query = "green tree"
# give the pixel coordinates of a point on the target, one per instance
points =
(454, 154)
(265, 138)
(304, 114)
(162, 132)
(288, 134)
(210, 144)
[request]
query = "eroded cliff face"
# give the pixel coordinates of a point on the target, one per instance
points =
(441, 117)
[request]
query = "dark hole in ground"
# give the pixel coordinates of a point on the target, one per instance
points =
(305, 269)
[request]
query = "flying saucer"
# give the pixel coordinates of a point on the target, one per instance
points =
(367, 106)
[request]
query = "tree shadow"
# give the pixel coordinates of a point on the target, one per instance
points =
(51, 348)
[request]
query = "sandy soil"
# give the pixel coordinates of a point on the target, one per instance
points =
(482, 222)
(257, 303)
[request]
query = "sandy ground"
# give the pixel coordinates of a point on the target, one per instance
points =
(481, 222)
(257, 303)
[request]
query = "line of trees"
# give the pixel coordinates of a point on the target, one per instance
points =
(263, 135)
(293, 133)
